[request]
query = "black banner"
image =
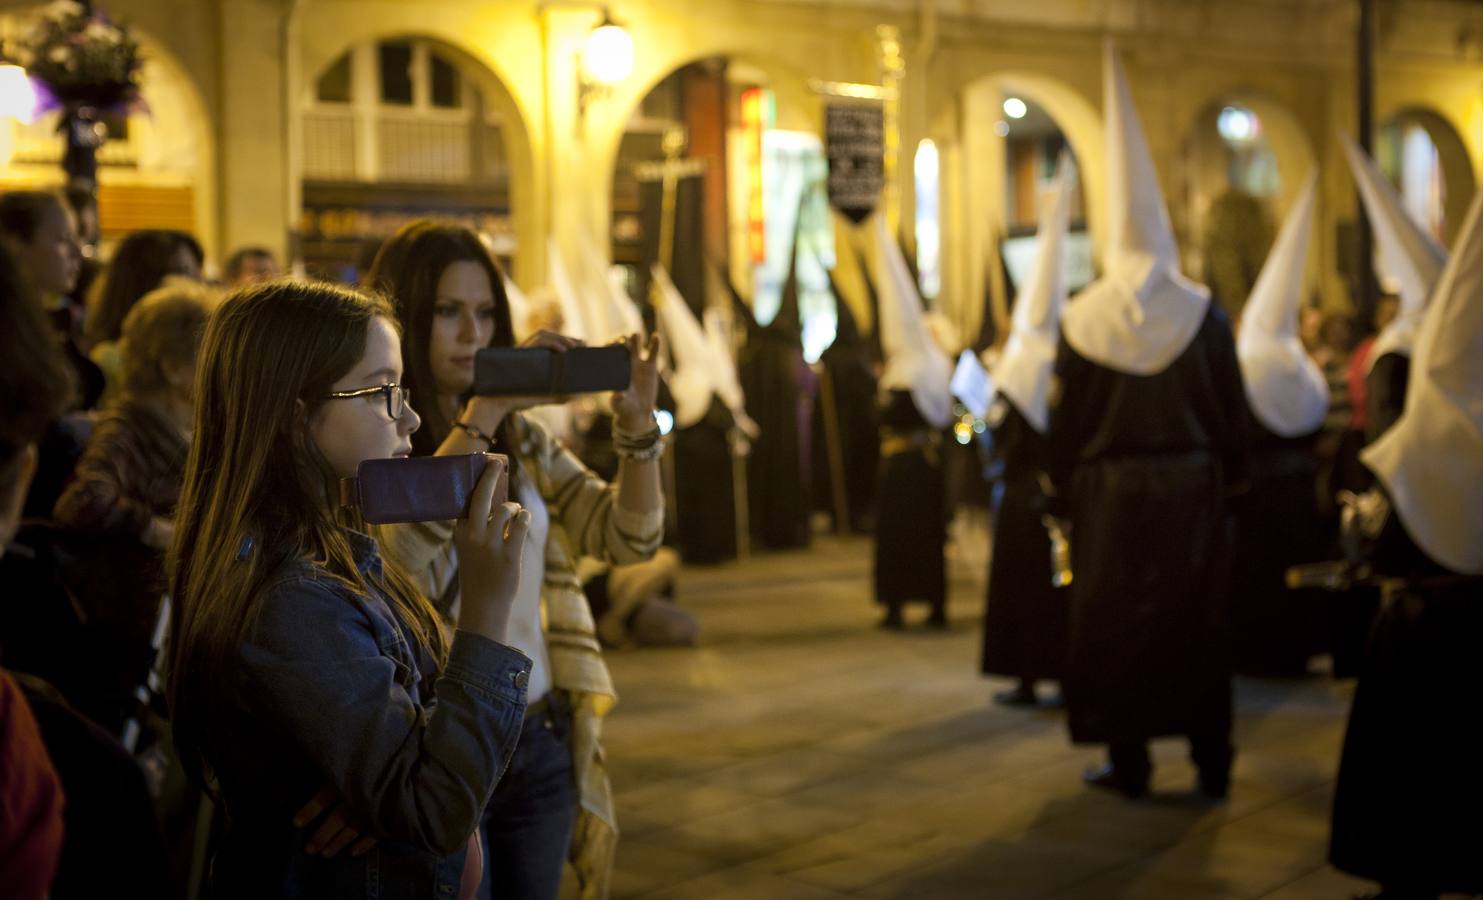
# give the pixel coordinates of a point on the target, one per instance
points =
(854, 141)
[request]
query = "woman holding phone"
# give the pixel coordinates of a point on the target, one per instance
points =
(556, 804)
(302, 663)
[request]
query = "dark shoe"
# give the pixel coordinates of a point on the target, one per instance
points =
(1021, 694)
(1109, 777)
(893, 619)
(1215, 785)
(938, 619)
(1054, 701)
(1213, 759)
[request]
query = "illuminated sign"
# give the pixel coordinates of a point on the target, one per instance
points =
(756, 116)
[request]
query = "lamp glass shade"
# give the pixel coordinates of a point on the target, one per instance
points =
(608, 56)
(17, 95)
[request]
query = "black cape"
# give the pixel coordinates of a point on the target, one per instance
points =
(1409, 790)
(772, 375)
(1145, 462)
(704, 501)
(1278, 525)
(1385, 393)
(851, 385)
(910, 522)
(1025, 622)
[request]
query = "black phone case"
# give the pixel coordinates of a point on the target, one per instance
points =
(537, 371)
(421, 489)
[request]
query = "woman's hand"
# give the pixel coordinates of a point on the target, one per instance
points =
(490, 540)
(634, 408)
(340, 828)
(486, 413)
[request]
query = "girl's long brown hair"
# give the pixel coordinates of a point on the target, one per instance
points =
(257, 493)
(407, 269)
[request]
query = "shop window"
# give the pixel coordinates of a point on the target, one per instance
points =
(334, 84)
(395, 60)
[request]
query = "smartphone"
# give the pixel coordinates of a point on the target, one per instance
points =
(542, 372)
(421, 489)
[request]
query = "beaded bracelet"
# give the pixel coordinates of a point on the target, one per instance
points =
(640, 454)
(473, 432)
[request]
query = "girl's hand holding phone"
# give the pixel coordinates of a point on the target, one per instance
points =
(490, 540)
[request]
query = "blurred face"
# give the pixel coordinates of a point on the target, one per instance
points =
(51, 258)
(183, 263)
(256, 268)
(463, 323)
(350, 430)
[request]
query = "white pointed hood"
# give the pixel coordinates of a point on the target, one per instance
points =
(519, 308)
(1023, 370)
(1141, 314)
(1287, 391)
(913, 360)
(1431, 460)
(691, 381)
(1405, 255)
(611, 312)
(573, 311)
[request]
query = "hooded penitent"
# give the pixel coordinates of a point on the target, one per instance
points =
(611, 312)
(1406, 257)
(1431, 460)
(1023, 371)
(1286, 389)
(913, 360)
(1141, 314)
(691, 378)
(573, 310)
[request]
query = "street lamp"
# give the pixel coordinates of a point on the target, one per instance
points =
(17, 95)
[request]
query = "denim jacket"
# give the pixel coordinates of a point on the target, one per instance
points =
(332, 690)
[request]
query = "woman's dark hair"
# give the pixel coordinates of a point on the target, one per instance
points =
(21, 212)
(139, 265)
(407, 269)
(35, 385)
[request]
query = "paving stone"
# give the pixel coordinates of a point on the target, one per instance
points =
(802, 752)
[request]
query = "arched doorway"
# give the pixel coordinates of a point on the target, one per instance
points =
(1424, 157)
(721, 164)
(998, 151)
(1244, 159)
(399, 128)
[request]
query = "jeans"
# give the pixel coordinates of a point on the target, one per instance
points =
(527, 826)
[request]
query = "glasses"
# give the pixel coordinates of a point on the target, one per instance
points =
(397, 397)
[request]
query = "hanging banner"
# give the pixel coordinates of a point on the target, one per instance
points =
(854, 141)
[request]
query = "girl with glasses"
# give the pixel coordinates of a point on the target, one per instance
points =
(303, 664)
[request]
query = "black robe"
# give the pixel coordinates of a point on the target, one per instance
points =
(852, 387)
(1146, 462)
(1410, 787)
(1278, 525)
(1385, 393)
(1025, 622)
(772, 376)
(910, 525)
(704, 501)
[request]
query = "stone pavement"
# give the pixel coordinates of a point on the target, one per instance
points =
(800, 752)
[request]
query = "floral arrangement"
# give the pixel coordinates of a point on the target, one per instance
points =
(78, 57)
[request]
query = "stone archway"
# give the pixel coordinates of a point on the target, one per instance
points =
(1454, 179)
(975, 217)
(1243, 160)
